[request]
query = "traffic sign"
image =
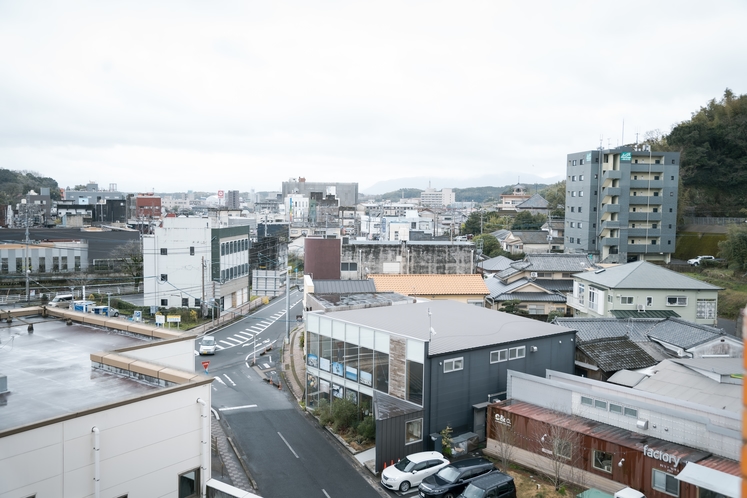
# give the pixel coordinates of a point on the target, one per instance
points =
(205, 365)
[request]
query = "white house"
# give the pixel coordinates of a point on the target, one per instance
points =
(640, 288)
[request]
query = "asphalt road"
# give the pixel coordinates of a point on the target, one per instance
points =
(288, 454)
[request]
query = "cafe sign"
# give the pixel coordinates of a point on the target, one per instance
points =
(660, 455)
(502, 420)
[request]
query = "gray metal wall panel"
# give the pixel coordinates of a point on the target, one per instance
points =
(390, 440)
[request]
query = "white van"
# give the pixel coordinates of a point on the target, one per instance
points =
(61, 301)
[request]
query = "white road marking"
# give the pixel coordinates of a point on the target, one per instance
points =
(325, 493)
(220, 380)
(266, 365)
(229, 380)
(228, 343)
(218, 346)
(233, 339)
(289, 447)
(229, 408)
(245, 334)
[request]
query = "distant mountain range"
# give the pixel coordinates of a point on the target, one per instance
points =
(493, 180)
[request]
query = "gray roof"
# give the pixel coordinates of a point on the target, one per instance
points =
(590, 329)
(648, 313)
(534, 202)
(386, 406)
(567, 263)
(616, 354)
(675, 380)
(718, 366)
(331, 302)
(684, 334)
(495, 264)
(496, 287)
(627, 378)
(500, 234)
(343, 286)
(555, 285)
(458, 326)
(539, 297)
(531, 236)
(643, 275)
(49, 372)
(409, 243)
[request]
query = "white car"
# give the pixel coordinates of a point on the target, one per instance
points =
(207, 345)
(412, 469)
(696, 261)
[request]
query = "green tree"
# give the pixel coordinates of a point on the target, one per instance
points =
(512, 307)
(524, 220)
(490, 245)
(555, 197)
(734, 248)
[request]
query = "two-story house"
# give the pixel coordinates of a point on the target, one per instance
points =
(641, 288)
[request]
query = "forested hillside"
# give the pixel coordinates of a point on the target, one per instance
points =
(15, 184)
(713, 144)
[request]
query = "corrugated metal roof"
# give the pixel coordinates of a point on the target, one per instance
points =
(599, 430)
(616, 354)
(643, 275)
(343, 286)
(431, 284)
(555, 285)
(718, 366)
(458, 326)
(723, 464)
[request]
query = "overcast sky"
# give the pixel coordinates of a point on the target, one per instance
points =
(196, 95)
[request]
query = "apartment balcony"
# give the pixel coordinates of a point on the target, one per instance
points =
(652, 200)
(646, 184)
(638, 216)
(610, 192)
(642, 232)
(575, 303)
(611, 241)
(645, 168)
(611, 208)
(645, 248)
(606, 225)
(612, 174)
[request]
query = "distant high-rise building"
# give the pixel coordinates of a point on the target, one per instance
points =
(621, 204)
(232, 200)
(437, 198)
(347, 193)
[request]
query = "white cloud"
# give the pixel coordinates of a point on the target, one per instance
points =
(194, 95)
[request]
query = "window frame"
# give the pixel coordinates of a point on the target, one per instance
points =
(499, 360)
(413, 440)
(457, 364)
(666, 479)
(677, 301)
(594, 460)
(197, 483)
(517, 349)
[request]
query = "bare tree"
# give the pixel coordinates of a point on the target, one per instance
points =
(505, 437)
(562, 447)
(130, 257)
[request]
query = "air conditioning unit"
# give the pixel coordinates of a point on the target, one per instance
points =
(640, 307)
(533, 274)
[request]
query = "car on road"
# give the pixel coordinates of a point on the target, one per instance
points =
(412, 469)
(451, 480)
(696, 261)
(207, 345)
(61, 301)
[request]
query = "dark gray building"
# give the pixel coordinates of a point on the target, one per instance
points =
(418, 368)
(621, 204)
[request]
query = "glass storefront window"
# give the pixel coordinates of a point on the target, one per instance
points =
(365, 366)
(312, 391)
(351, 361)
(325, 348)
(312, 349)
(381, 374)
(415, 382)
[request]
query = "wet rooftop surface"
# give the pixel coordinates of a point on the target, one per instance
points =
(49, 371)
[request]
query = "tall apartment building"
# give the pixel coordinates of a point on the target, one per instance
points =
(621, 204)
(233, 200)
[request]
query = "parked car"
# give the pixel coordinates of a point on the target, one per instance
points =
(696, 261)
(207, 345)
(412, 469)
(451, 480)
(492, 485)
(61, 301)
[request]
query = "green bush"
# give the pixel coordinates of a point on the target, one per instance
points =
(367, 429)
(324, 411)
(301, 340)
(344, 414)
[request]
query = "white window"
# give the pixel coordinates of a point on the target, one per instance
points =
(580, 193)
(616, 408)
(515, 353)
(706, 309)
(500, 355)
(453, 365)
(414, 431)
(587, 401)
(631, 412)
(676, 300)
(602, 405)
(609, 298)
(581, 178)
(573, 224)
(665, 483)
(626, 299)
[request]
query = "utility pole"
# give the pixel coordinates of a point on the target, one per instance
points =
(26, 268)
(287, 304)
(202, 303)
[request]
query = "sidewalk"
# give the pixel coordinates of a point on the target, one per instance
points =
(294, 365)
(227, 466)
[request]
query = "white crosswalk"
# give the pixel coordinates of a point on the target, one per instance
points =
(251, 332)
